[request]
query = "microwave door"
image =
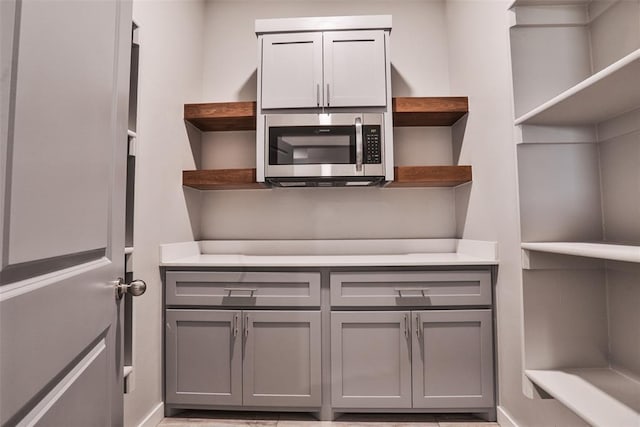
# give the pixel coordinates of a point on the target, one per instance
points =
(314, 151)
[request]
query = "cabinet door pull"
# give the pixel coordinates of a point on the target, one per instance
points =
(328, 103)
(418, 325)
(235, 325)
(246, 326)
(318, 94)
(406, 326)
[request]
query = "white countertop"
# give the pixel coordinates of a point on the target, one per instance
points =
(329, 253)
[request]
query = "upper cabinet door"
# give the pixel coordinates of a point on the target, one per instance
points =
(292, 70)
(355, 69)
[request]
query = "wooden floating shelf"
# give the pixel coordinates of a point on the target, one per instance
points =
(222, 116)
(407, 111)
(429, 111)
(221, 179)
(406, 176)
(430, 176)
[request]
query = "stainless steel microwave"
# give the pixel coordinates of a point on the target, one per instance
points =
(337, 149)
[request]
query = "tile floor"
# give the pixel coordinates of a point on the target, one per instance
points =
(266, 419)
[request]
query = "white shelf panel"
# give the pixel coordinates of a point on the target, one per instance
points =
(548, 2)
(606, 251)
(601, 396)
(606, 94)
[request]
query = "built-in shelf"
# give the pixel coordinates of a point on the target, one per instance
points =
(601, 396)
(222, 179)
(430, 176)
(222, 116)
(405, 176)
(407, 111)
(604, 95)
(429, 111)
(605, 251)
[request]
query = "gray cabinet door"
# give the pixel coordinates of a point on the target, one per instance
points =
(370, 359)
(292, 70)
(355, 69)
(282, 358)
(452, 359)
(203, 357)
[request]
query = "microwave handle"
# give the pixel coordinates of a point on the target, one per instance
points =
(359, 148)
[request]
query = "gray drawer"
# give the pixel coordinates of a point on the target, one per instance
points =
(411, 288)
(254, 289)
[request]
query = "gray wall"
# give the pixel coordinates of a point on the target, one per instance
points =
(170, 74)
(230, 62)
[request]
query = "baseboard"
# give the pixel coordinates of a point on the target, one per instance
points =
(154, 417)
(504, 419)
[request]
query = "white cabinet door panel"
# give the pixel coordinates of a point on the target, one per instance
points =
(292, 70)
(355, 69)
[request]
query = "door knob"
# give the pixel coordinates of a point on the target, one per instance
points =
(135, 288)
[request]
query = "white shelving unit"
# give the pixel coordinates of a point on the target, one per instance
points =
(606, 251)
(604, 397)
(576, 77)
(607, 94)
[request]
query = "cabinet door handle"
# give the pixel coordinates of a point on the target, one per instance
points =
(246, 326)
(318, 94)
(235, 325)
(359, 148)
(406, 326)
(328, 103)
(418, 325)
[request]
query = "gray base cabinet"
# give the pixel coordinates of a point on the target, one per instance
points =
(330, 340)
(412, 359)
(236, 357)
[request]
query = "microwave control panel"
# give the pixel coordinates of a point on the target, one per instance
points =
(372, 144)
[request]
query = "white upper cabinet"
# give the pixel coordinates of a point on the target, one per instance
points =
(354, 69)
(310, 63)
(292, 70)
(351, 72)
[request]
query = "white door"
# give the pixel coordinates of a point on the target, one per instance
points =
(355, 69)
(65, 67)
(292, 70)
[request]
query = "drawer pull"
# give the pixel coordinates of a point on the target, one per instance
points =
(423, 292)
(251, 291)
